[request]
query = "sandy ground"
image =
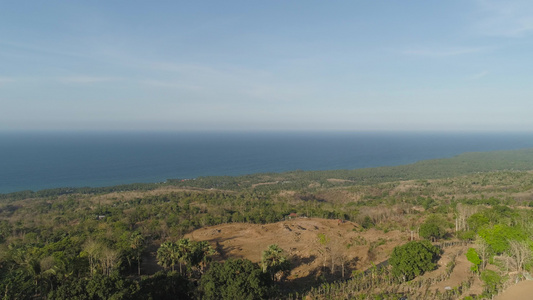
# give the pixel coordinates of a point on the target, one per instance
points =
(460, 272)
(299, 238)
(357, 248)
(519, 291)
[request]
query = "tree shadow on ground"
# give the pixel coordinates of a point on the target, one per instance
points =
(316, 276)
(297, 261)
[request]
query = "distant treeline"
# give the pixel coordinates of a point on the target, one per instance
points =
(467, 163)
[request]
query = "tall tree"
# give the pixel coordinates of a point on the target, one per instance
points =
(109, 260)
(183, 252)
(201, 255)
(137, 244)
(483, 251)
(521, 252)
(93, 250)
(274, 261)
(323, 244)
(166, 256)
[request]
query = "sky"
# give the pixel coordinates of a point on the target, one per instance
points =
(455, 65)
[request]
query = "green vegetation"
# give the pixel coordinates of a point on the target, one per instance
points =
(433, 228)
(498, 237)
(128, 242)
(235, 279)
(413, 259)
(464, 164)
(185, 252)
(275, 262)
(492, 281)
(473, 257)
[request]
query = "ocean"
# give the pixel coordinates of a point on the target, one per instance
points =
(36, 161)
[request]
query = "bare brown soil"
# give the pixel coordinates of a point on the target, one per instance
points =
(359, 249)
(299, 238)
(521, 290)
(336, 180)
(109, 198)
(461, 272)
(264, 183)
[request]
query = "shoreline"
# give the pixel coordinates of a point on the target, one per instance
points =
(468, 162)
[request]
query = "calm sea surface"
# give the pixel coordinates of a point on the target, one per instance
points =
(35, 161)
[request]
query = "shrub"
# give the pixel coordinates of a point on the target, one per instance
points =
(433, 227)
(476, 221)
(367, 223)
(473, 257)
(466, 235)
(492, 281)
(413, 259)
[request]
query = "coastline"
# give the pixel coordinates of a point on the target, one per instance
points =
(462, 164)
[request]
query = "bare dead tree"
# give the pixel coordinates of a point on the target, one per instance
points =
(463, 213)
(508, 261)
(337, 247)
(93, 250)
(483, 251)
(108, 260)
(323, 247)
(520, 252)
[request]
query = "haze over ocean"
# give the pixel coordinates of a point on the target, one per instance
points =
(35, 161)
(268, 66)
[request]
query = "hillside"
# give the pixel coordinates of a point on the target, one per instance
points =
(107, 241)
(299, 237)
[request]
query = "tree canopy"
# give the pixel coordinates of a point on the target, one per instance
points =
(235, 279)
(433, 227)
(413, 259)
(274, 260)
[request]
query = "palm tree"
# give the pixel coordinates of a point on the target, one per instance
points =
(165, 255)
(137, 244)
(183, 252)
(274, 260)
(204, 252)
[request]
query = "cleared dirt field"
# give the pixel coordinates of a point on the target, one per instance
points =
(299, 238)
(357, 248)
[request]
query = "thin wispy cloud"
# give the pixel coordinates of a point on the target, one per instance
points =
(443, 52)
(195, 61)
(478, 75)
(87, 79)
(38, 49)
(228, 72)
(505, 18)
(4, 80)
(233, 82)
(278, 93)
(172, 84)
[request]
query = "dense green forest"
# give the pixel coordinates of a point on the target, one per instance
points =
(90, 243)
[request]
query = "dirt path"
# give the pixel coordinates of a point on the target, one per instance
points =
(460, 272)
(521, 290)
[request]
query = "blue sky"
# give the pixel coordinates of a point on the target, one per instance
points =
(266, 65)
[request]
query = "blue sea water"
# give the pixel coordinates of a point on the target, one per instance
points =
(35, 161)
